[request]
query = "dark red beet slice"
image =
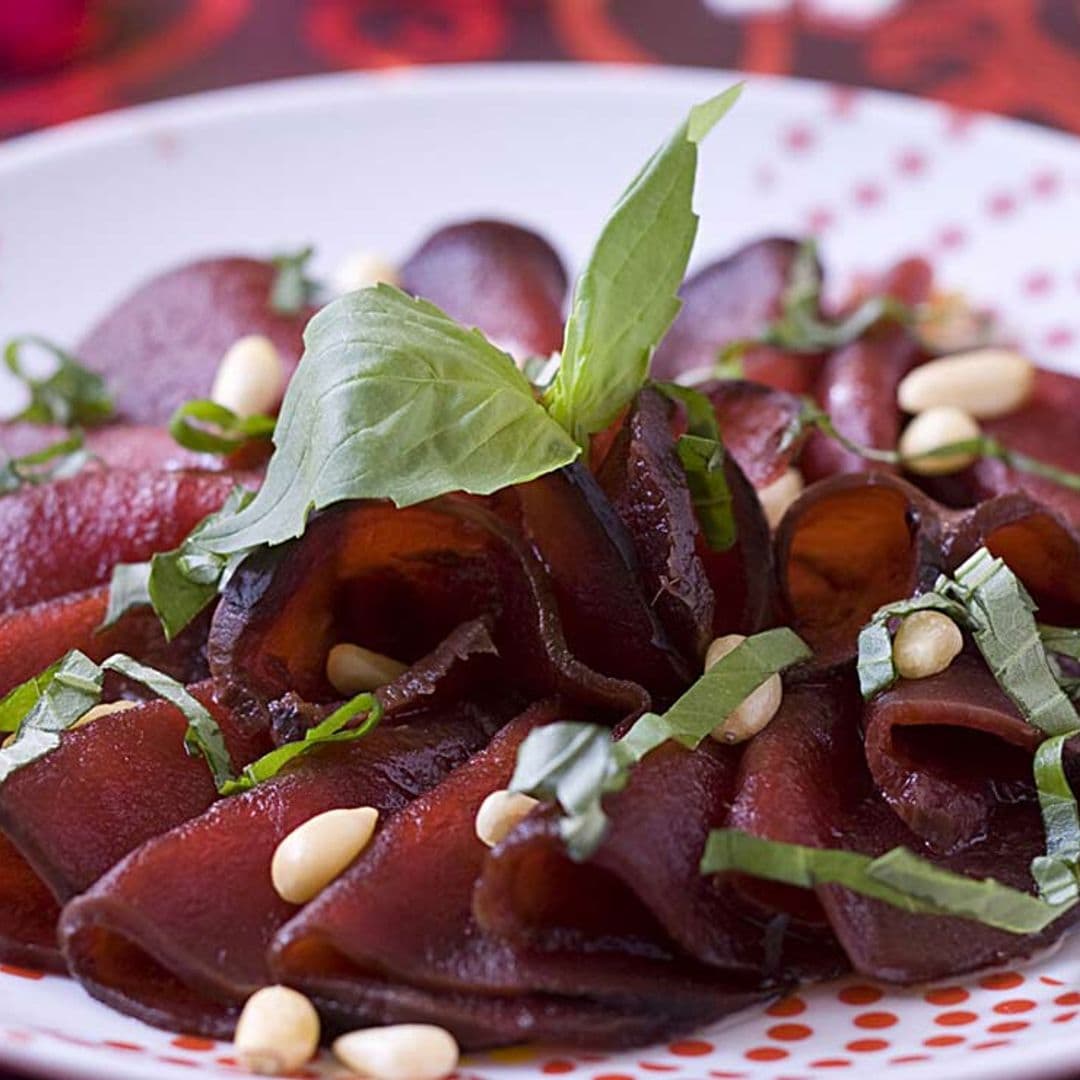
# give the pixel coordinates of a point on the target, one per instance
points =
(28, 914)
(67, 536)
(145, 940)
(397, 581)
(753, 420)
(117, 446)
(111, 786)
(942, 749)
(846, 547)
(731, 300)
(532, 894)
(170, 334)
(351, 950)
(502, 278)
(596, 579)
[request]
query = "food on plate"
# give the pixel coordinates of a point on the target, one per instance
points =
(460, 664)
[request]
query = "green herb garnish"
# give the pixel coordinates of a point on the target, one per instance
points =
(291, 290)
(59, 460)
(577, 764)
(627, 296)
(218, 430)
(70, 395)
(334, 729)
(898, 877)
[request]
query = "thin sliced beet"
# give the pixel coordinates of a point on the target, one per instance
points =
(172, 332)
(28, 915)
(351, 950)
(145, 941)
(82, 527)
(848, 546)
(732, 300)
(500, 277)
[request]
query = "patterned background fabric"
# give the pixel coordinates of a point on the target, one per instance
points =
(61, 59)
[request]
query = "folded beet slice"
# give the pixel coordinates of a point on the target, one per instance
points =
(754, 420)
(28, 914)
(595, 574)
(398, 582)
(857, 385)
(849, 545)
(943, 750)
(500, 277)
(67, 536)
(171, 333)
(732, 300)
(145, 940)
(112, 785)
(532, 894)
(352, 951)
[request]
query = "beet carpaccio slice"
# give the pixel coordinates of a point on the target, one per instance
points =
(352, 950)
(171, 333)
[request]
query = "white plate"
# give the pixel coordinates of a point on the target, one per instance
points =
(375, 161)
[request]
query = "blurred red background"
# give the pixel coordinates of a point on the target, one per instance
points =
(61, 59)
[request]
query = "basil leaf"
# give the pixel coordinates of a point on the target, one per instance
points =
(801, 328)
(231, 432)
(393, 400)
(875, 664)
(577, 764)
(702, 454)
(291, 290)
(1060, 640)
(627, 296)
(129, 588)
(20, 700)
(72, 688)
(203, 736)
(59, 460)
(898, 877)
(70, 395)
(333, 729)
(184, 581)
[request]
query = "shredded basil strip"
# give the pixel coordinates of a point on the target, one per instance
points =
(702, 453)
(577, 764)
(333, 729)
(899, 877)
(70, 395)
(60, 696)
(129, 588)
(627, 295)
(800, 327)
(291, 290)
(57, 461)
(218, 429)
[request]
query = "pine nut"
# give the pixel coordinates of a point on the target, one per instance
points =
(780, 494)
(985, 383)
(932, 430)
(352, 669)
(755, 712)
(926, 643)
(500, 813)
(250, 378)
(106, 708)
(948, 323)
(399, 1052)
(317, 852)
(361, 270)
(278, 1031)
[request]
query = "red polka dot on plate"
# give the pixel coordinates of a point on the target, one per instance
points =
(1039, 283)
(1071, 998)
(1049, 979)
(875, 1020)
(868, 194)
(1045, 184)
(956, 1018)
(557, 1066)
(789, 1032)
(128, 1047)
(789, 1006)
(1015, 1005)
(612, 1076)
(951, 237)
(866, 1046)
(992, 1044)
(911, 162)
(938, 1041)
(691, 1048)
(860, 995)
(192, 1042)
(1000, 205)
(909, 1059)
(765, 1053)
(1002, 980)
(1064, 1018)
(830, 1063)
(798, 139)
(947, 995)
(1007, 1027)
(21, 972)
